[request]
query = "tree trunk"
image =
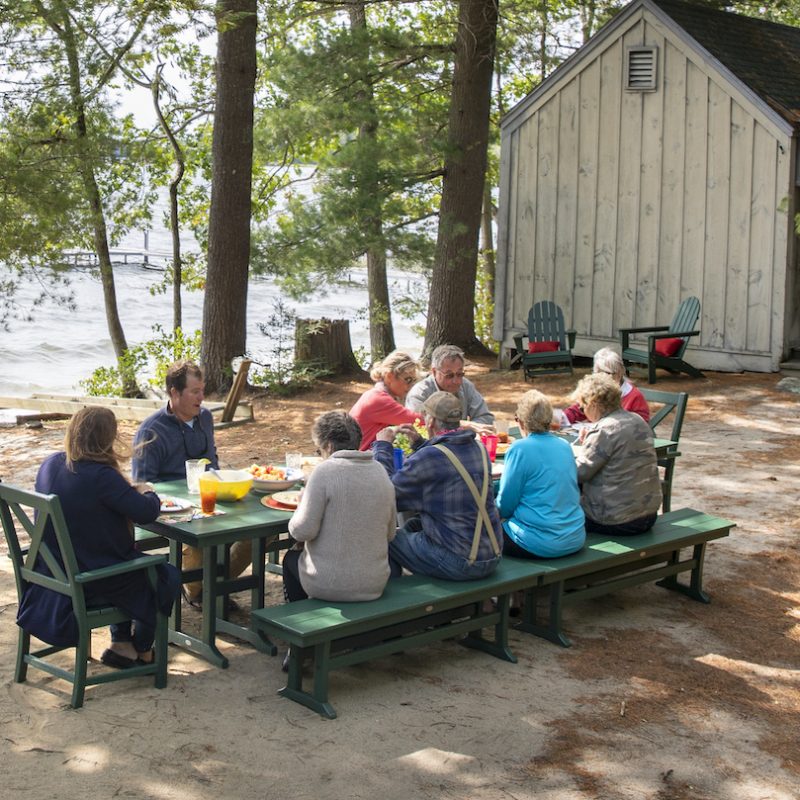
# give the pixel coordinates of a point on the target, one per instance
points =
(174, 183)
(225, 305)
(325, 344)
(451, 314)
(62, 26)
(381, 332)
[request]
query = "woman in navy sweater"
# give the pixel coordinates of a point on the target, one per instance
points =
(100, 507)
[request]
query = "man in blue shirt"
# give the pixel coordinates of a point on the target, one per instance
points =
(182, 430)
(446, 483)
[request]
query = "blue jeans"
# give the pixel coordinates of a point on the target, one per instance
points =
(411, 548)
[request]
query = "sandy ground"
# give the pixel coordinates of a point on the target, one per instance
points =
(660, 697)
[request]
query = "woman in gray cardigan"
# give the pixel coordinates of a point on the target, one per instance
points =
(345, 519)
(617, 467)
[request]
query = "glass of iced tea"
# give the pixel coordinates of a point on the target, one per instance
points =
(208, 493)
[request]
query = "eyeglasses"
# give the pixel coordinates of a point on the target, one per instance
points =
(194, 438)
(449, 376)
(408, 380)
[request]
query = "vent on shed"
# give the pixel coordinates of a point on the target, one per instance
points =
(640, 69)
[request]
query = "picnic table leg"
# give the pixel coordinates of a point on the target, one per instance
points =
(499, 647)
(695, 587)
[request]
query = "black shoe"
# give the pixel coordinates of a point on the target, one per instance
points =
(111, 658)
(197, 602)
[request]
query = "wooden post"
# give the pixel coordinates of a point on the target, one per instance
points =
(239, 382)
(325, 344)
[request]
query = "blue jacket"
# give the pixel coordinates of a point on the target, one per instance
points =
(167, 442)
(99, 505)
(429, 485)
(539, 498)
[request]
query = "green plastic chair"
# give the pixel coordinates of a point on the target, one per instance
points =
(681, 327)
(30, 512)
(671, 403)
(546, 327)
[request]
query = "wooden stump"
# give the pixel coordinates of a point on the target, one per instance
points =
(325, 344)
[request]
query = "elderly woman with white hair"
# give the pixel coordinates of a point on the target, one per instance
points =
(539, 499)
(607, 362)
(382, 405)
(617, 467)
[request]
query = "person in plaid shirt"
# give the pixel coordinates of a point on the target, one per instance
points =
(455, 530)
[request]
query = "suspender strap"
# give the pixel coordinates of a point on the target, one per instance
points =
(483, 518)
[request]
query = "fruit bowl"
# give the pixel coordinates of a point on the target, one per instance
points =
(275, 479)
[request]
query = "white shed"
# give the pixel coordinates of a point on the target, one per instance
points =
(659, 161)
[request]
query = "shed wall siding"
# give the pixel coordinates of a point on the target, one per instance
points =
(622, 203)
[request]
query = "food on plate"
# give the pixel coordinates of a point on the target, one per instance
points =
(168, 502)
(502, 437)
(267, 473)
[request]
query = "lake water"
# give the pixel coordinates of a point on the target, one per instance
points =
(59, 348)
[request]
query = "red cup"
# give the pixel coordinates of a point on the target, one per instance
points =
(490, 443)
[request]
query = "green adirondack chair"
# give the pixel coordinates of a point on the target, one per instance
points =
(671, 403)
(27, 512)
(550, 339)
(669, 354)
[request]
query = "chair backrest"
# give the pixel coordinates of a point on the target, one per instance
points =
(686, 316)
(50, 542)
(546, 324)
(671, 402)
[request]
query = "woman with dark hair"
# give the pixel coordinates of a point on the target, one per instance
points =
(345, 520)
(100, 507)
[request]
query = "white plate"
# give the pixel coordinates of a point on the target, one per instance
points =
(172, 505)
(287, 498)
(497, 470)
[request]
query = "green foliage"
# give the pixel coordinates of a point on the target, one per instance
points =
(484, 311)
(282, 375)
(151, 358)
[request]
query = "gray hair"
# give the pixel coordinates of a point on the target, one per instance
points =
(336, 430)
(610, 362)
(600, 389)
(534, 412)
(444, 352)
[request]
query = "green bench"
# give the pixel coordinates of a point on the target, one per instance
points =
(605, 565)
(412, 611)
(417, 610)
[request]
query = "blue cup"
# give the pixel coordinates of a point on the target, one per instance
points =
(398, 458)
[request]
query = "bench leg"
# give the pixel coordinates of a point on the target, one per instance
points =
(318, 701)
(695, 587)
(530, 621)
(499, 647)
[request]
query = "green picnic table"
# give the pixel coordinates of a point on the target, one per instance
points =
(245, 519)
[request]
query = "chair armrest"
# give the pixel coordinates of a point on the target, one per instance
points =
(518, 339)
(571, 334)
(674, 335)
(645, 330)
(142, 562)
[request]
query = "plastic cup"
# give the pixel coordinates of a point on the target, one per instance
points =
(208, 493)
(195, 467)
(294, 460)
(490, 443)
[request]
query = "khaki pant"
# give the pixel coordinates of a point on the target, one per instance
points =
(241, 558)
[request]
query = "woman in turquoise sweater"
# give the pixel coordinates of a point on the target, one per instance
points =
(539, 498)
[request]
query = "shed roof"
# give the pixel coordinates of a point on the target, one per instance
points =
(763, 55)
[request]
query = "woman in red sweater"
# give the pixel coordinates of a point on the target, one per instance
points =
(609, 362)
(382, 405)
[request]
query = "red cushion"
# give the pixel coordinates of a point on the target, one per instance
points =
(543, 347)
(668, 347)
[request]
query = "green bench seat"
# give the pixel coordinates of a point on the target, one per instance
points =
(606, 565)
(412, 611)
(417, 610)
